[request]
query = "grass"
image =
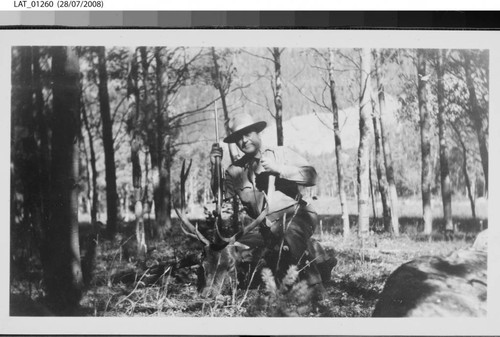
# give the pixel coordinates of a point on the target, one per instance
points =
(360, 274)
(126, 287)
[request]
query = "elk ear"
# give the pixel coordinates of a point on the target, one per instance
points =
(241, 245)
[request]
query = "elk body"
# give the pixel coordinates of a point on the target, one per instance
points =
(432, 286)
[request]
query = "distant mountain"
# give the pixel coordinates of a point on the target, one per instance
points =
(313, 133)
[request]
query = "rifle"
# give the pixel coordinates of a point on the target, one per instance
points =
(218, 168)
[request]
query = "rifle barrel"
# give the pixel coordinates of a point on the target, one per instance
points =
(218, 170)
(216, 122)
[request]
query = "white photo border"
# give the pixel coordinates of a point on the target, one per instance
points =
(458, 39)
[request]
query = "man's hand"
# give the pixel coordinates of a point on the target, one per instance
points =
(270, 165)
(216, 152)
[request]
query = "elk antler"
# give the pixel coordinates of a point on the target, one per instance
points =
(191, 230)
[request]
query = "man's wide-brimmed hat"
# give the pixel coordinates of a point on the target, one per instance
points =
(241, 124)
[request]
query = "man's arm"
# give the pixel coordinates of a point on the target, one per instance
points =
(291, 166)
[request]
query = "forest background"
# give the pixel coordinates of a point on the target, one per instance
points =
(307, 119)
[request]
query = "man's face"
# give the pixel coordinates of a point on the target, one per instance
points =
(249, 143)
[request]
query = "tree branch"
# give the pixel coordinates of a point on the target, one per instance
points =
(255, 55)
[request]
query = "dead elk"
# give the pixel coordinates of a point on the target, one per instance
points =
(432, 286)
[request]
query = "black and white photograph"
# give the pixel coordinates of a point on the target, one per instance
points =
(299, 175)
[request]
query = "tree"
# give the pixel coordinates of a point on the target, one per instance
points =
(443, 147)
(425, 137)
(470, 194)
(464, 121)
(172, 73)
(43, 159)
(24, 145)
(222, 82)
(278, 93)
(338, 145)
(62, 269)
(478, 113)
(118, 66)
(28, 202)
(134, 86)
(380, 170)
(161, 160)
(276, 82)
(107, 138)
(330, 104)
(384, 137)
(93, 180)
(365, 133)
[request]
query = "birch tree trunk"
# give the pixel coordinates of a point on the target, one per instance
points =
(385, 133)
(93, 169)
(278, 94)
(468, 187)
(165, 181)
(338, 148)
(222, 89)
(381, 174)
(365, 134)
(160, 158)
(425, 136)
(135, 146)
(470, 194)
(443, 147)
(140, 232)
(477, 113)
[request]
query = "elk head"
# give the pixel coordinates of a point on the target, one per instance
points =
(221, 256)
